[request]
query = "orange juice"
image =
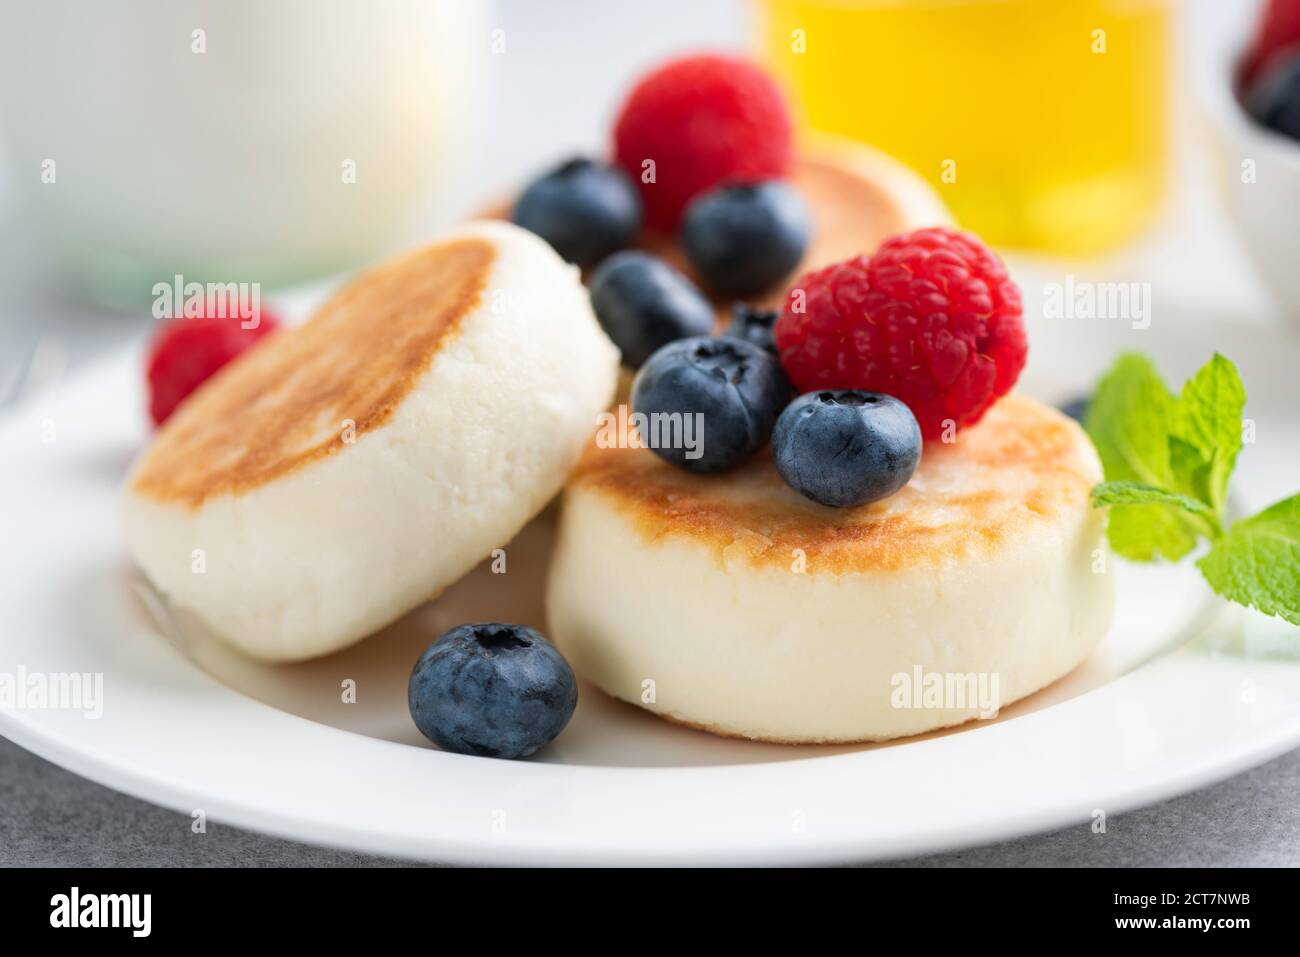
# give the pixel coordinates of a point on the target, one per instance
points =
(1041, 122)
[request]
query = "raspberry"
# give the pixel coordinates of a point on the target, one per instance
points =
(1278, 29)
(703, 120)
(186, 352)
(931, 319)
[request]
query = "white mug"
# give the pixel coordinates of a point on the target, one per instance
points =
(229, 140)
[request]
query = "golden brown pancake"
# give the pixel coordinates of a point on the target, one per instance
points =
(1022, 463)
(730, 603)
(275, 409)
(343, 471)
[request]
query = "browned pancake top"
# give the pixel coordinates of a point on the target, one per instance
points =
(1022, 464)
(302, 394)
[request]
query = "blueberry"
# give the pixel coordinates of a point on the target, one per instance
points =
(744, 239)
(1274, 99)
(753, 325)
(499, 691)
(644, 303)
(1076, 408)
(584, 209)
(736, 389)
(846, 447)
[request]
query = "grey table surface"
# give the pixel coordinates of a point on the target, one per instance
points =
(51, 817)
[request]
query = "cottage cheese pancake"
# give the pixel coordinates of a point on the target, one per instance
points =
(752, 611)
(338, 474)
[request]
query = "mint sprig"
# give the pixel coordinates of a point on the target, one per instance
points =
(1167, 460)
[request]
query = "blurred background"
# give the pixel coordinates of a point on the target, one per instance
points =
(290, 141)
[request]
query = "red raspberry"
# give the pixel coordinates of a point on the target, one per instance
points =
(931, 319)
(704, 120)
(186, 352)
(1278, 29)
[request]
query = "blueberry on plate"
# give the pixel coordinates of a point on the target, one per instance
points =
(754, 325)
(720, 396)
(1076, 408)
(584, 209)
(1274, 99)
(745, 238)
(846, 447)
(644, 303)
(494, 690)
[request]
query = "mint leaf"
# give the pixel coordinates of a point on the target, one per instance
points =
(1155, 529)
(1167, 463)
(1136, 493)
(1130, 418)
(1207, 432)
(1145, 533)
(1257, 563)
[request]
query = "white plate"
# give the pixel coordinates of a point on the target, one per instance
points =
(191, 726)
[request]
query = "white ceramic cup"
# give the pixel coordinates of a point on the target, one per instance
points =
(229, 139)
(1259, 168)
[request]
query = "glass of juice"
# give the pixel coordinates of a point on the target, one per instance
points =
(1042, 123)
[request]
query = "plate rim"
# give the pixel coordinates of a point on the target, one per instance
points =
(830, 848)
